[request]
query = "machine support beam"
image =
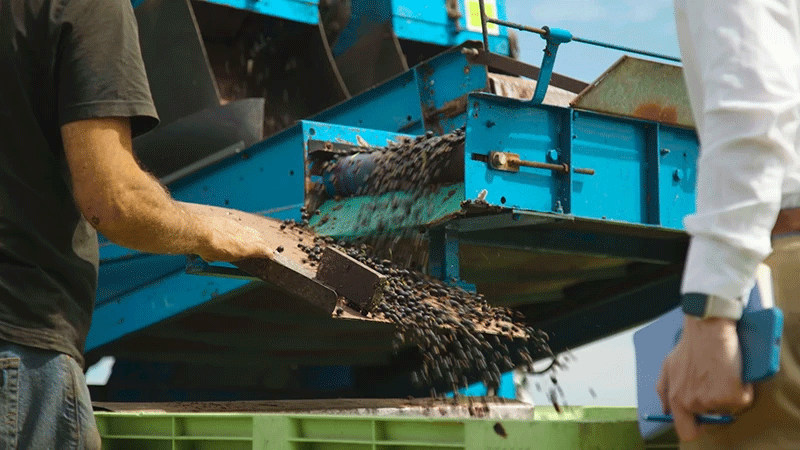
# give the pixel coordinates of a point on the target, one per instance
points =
(443, 257)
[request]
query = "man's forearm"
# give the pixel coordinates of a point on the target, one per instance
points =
(147, 219)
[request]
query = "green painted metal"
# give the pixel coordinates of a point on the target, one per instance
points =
(576, 428)
(351, 222)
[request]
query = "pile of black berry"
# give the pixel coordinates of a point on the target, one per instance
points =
(460, 336)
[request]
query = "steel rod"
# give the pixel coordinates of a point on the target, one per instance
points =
(484, 27)
(625, 49)
(563, 168)
(518, 26)
(543, 32)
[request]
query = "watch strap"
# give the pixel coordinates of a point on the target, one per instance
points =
(706, 306)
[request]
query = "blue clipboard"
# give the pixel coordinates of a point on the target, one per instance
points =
(759, 330)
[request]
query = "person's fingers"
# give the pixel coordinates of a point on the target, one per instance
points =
(747, 395)
(685, 424)
(661, 387)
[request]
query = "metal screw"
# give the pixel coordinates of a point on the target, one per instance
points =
(664, 151)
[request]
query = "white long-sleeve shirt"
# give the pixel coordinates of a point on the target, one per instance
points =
(741, 63)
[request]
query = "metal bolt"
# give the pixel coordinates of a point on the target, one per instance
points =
(677, 175)
(552, 155)
(664, 151)
(499, 159)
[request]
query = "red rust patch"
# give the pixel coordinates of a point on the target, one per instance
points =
(655, 112)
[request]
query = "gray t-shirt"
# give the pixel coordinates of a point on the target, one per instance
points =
(60, 61)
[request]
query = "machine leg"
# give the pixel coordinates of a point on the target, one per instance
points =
(443, 257)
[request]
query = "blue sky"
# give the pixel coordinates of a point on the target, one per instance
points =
(644, 24)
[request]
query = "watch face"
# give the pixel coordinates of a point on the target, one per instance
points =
(694, 304)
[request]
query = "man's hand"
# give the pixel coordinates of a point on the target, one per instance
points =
(229, 240)
(703, 374)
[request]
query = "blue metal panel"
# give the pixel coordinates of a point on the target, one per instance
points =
(110, 251)
(443, 80)
(346, 134)
(392, 106)
(678, 155)
(125, 275)
(399, 104)
(416, 20)
(434, 33)
(426, 21)
(167, 298)
(507, 389)
(305, 11)
(267, 178)
(615, 149)
(510, 126)
(644, 171)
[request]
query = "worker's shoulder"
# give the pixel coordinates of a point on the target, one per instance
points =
(33, 14)
(72, 11)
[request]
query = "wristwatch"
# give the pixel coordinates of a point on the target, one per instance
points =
(706, 306)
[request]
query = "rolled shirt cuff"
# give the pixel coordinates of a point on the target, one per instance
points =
(719, 269)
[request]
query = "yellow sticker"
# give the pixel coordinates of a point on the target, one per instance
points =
(474, 16)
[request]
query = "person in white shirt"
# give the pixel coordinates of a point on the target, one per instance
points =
(741, 62)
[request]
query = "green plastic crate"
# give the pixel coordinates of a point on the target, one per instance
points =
(574, 429)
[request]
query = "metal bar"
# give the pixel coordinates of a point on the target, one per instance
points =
(484, 28)
(563, 168)
(511, 161)
(626, 49)
(548, 61)
(518, 26)
(653, 174)
(543, 32)
(197, 266)
(563, 203)
(444, 258)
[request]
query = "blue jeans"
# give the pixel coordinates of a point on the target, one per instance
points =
(44, 401)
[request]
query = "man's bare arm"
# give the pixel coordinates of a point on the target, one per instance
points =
(132, 209)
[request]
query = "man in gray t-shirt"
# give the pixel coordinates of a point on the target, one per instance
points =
(73, 93)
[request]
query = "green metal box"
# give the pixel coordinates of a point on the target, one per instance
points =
(573, 429)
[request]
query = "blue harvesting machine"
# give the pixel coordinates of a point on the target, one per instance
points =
(564, 200)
